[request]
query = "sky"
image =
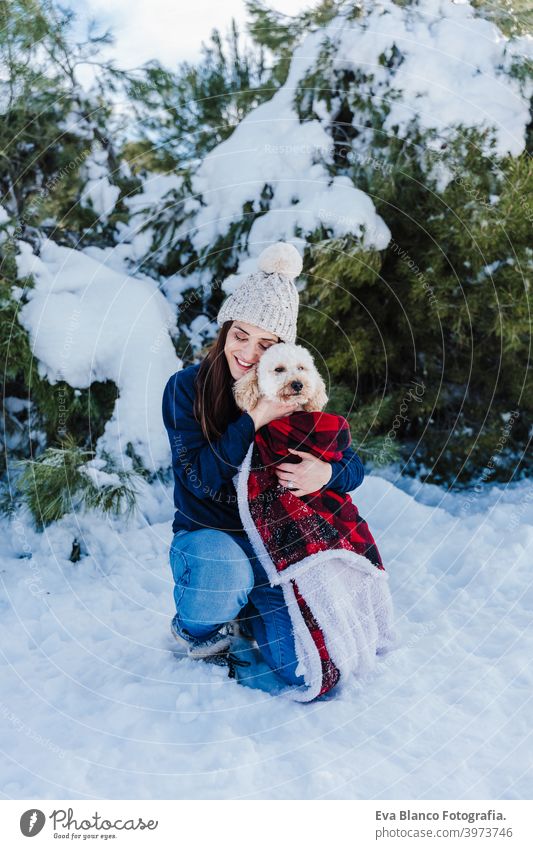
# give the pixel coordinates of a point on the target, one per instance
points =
(167, 30)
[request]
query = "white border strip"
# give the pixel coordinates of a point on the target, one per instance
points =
(312, 662)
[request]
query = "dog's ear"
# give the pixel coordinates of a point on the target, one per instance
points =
(318, 399)
(246, 391)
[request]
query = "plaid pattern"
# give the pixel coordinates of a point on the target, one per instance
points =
(330, 673)
(293, 528)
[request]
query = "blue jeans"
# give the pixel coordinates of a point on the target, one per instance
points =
(217, 575)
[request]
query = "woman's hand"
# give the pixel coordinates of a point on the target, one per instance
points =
(305, 477)
(265, 410)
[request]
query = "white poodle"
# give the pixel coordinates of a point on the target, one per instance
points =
(284, 371)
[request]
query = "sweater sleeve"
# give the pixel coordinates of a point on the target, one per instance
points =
(202, 466)
(347, 473)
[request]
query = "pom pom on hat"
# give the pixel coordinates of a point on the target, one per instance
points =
(280, 258)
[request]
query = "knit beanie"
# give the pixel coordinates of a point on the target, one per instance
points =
(268, 297)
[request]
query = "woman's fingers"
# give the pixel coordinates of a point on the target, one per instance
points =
(283, 477)
(286, 478)
(286, 468)
(288, 481)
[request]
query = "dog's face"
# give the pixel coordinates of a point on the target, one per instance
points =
(284, 371)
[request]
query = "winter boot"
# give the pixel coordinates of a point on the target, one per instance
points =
(200, 648)
(215, 649)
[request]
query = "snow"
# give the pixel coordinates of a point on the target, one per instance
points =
(134, 237)
(200, 331)
(102, 194)
(270, 146)
(96, 704)
(88, 322)
(78, 123)
(454, 71)
(94, 471)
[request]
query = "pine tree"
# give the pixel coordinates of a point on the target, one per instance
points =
(449, 301)
(50, 131)
(279, 33)
(424, 343)
(405, 333)
(52, 127)
(181, 115)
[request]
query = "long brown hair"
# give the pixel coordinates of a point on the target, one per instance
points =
(214, 405)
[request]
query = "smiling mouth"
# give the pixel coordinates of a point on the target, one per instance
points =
(244, 366)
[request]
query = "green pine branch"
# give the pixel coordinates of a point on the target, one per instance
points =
(60, 481)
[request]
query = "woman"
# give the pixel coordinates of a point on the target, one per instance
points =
(216, 573)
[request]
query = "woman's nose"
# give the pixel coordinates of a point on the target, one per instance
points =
(250, 354)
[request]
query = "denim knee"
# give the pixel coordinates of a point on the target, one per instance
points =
(215, 555)
(213, 578)
(218, 552)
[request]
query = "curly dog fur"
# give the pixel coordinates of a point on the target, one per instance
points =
(284, 371)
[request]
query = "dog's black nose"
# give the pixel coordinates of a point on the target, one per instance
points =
(296, 385)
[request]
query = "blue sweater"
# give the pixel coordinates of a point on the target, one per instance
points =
(204, 493)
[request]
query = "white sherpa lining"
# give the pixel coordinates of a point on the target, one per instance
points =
(348, 596)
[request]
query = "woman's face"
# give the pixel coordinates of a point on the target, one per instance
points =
(245, 345)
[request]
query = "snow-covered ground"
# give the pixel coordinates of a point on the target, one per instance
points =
(95, 704)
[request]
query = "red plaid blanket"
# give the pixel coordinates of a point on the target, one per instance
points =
(308, 536)
(293, 527)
